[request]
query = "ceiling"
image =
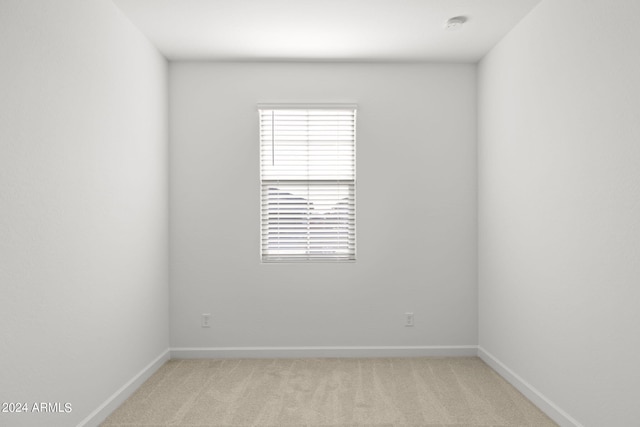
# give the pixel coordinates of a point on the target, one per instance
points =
(324, 30)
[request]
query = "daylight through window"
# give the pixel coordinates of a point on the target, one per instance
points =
(308, 177)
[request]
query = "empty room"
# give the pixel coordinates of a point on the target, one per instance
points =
(320, 213)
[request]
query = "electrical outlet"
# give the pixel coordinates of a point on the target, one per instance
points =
(206, 320)
(408, 319)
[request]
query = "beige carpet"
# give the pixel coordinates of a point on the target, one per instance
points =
(328, 392)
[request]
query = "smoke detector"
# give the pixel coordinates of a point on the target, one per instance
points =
(455, 23)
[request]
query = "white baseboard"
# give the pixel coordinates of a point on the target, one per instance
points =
(117, 398)
(538, 399)
(313, 352)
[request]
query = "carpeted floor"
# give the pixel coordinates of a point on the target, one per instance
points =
(328, 392)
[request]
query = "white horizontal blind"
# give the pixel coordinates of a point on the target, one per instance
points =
(308, 184)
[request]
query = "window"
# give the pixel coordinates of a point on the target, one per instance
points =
(307, 174)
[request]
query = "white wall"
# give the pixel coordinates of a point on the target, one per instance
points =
(416, 215)
(83, 202)
(559, 212)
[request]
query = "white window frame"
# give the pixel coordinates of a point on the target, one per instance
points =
(339, 184)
